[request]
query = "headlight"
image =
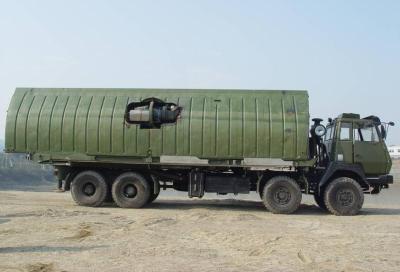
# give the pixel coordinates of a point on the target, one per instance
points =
(320, 130)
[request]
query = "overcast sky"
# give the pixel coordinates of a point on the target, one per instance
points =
(345, 53)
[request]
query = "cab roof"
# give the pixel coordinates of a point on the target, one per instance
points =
(372, 118)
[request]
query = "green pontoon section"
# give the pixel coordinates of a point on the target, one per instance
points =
(214, 124)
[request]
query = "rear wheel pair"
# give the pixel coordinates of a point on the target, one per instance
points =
(342, 196)
(129, 190)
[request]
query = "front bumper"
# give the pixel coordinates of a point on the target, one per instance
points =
(384, 180)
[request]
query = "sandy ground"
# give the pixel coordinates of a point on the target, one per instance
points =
(46, 231)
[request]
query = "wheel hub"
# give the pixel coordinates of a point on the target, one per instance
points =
(130, 191)
(282, 196)
(89, 189)
(345, 197)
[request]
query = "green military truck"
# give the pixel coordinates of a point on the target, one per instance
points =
(129, 144)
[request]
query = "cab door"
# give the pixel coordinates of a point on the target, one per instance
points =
(369, 148)
(344, 142)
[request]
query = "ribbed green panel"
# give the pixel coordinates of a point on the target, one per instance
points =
(57, 129)
(213, 124)
(93, 125)
(81, 123)
(221, 126)
(236, 127)
(250, 127)
(196, 125)
(22, 122)
(183, 133)
(105, 125)
(263, 117)
(11, 121)
(118, 128)
(44, 123)
(277, 127)
(32, 126)
(69, 120)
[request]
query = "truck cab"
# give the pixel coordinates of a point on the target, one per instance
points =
(351, 160)
(359, 143)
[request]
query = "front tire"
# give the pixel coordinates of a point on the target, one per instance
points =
(344, 196)
(281, 195)
(131, 190)
(89, 188)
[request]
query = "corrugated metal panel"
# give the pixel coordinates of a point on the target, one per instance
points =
(214, 123)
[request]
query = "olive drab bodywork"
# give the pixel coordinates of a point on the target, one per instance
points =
(63, 123)
(138, 141)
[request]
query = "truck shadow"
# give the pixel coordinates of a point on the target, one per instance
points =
(252, 206)
(22, 249)
(380, 211)
(4, 220)
(315, 210)
(227, 204)
(220, 204)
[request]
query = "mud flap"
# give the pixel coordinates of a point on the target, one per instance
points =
(196, 184)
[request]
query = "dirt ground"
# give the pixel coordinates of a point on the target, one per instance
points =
(46, 231)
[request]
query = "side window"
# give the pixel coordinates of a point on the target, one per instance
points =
(152, 113)
(345, 129)
(366, 134)
(375, 135)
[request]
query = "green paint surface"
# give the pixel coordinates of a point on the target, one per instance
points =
(214, 124)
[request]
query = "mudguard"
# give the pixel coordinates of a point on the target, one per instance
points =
(334, 167)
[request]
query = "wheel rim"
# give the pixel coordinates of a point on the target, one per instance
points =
(129, 191)
(282, 196)
(345, 197)
(89, 189)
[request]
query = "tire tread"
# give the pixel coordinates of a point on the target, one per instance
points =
(272, 182)
(337, 182)
(102, 184)
(138, 203)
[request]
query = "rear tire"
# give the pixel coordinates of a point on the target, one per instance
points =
(131, 190)
(282, 195)
(89, 188)
(319, 199)
(344, 196)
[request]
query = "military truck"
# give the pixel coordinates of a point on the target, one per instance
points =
(128, 144)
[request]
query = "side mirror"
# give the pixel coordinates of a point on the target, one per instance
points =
(383, 132)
